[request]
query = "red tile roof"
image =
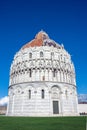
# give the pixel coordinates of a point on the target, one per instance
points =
(38, 41)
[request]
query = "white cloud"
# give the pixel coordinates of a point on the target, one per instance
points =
(3, 100)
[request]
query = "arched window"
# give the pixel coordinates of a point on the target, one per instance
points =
(42, 92)
(52, 55)
(66, 93)
(54, 73)
(30, 73)
(30, 55)
(41, 54)
(61, 56)
(43, 78)
(29, 94)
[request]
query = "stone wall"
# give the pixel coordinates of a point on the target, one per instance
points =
(82, 109)
(23, 104)
(53, 65)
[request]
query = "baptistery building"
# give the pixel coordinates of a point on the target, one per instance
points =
(42, 80)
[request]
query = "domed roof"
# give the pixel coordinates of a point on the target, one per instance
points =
(41, 39)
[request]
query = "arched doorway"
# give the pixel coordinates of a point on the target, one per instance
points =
(55, 91)
(55, 107)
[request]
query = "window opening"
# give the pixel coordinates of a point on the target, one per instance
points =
(41, 54)
(54, 73)
(30, 73)
(29, 94)
(42, 94)
(30, 55)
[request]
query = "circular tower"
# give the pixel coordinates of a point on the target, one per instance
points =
(42, 80)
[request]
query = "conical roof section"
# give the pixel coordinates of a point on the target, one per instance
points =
(42, 35)
(41, 39)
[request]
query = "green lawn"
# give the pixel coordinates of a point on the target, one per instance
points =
(42, 123)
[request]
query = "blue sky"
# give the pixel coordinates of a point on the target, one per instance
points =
(65, 21)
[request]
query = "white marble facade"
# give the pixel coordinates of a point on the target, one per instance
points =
(42, 80)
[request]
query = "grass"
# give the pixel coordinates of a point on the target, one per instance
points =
(42, 123)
